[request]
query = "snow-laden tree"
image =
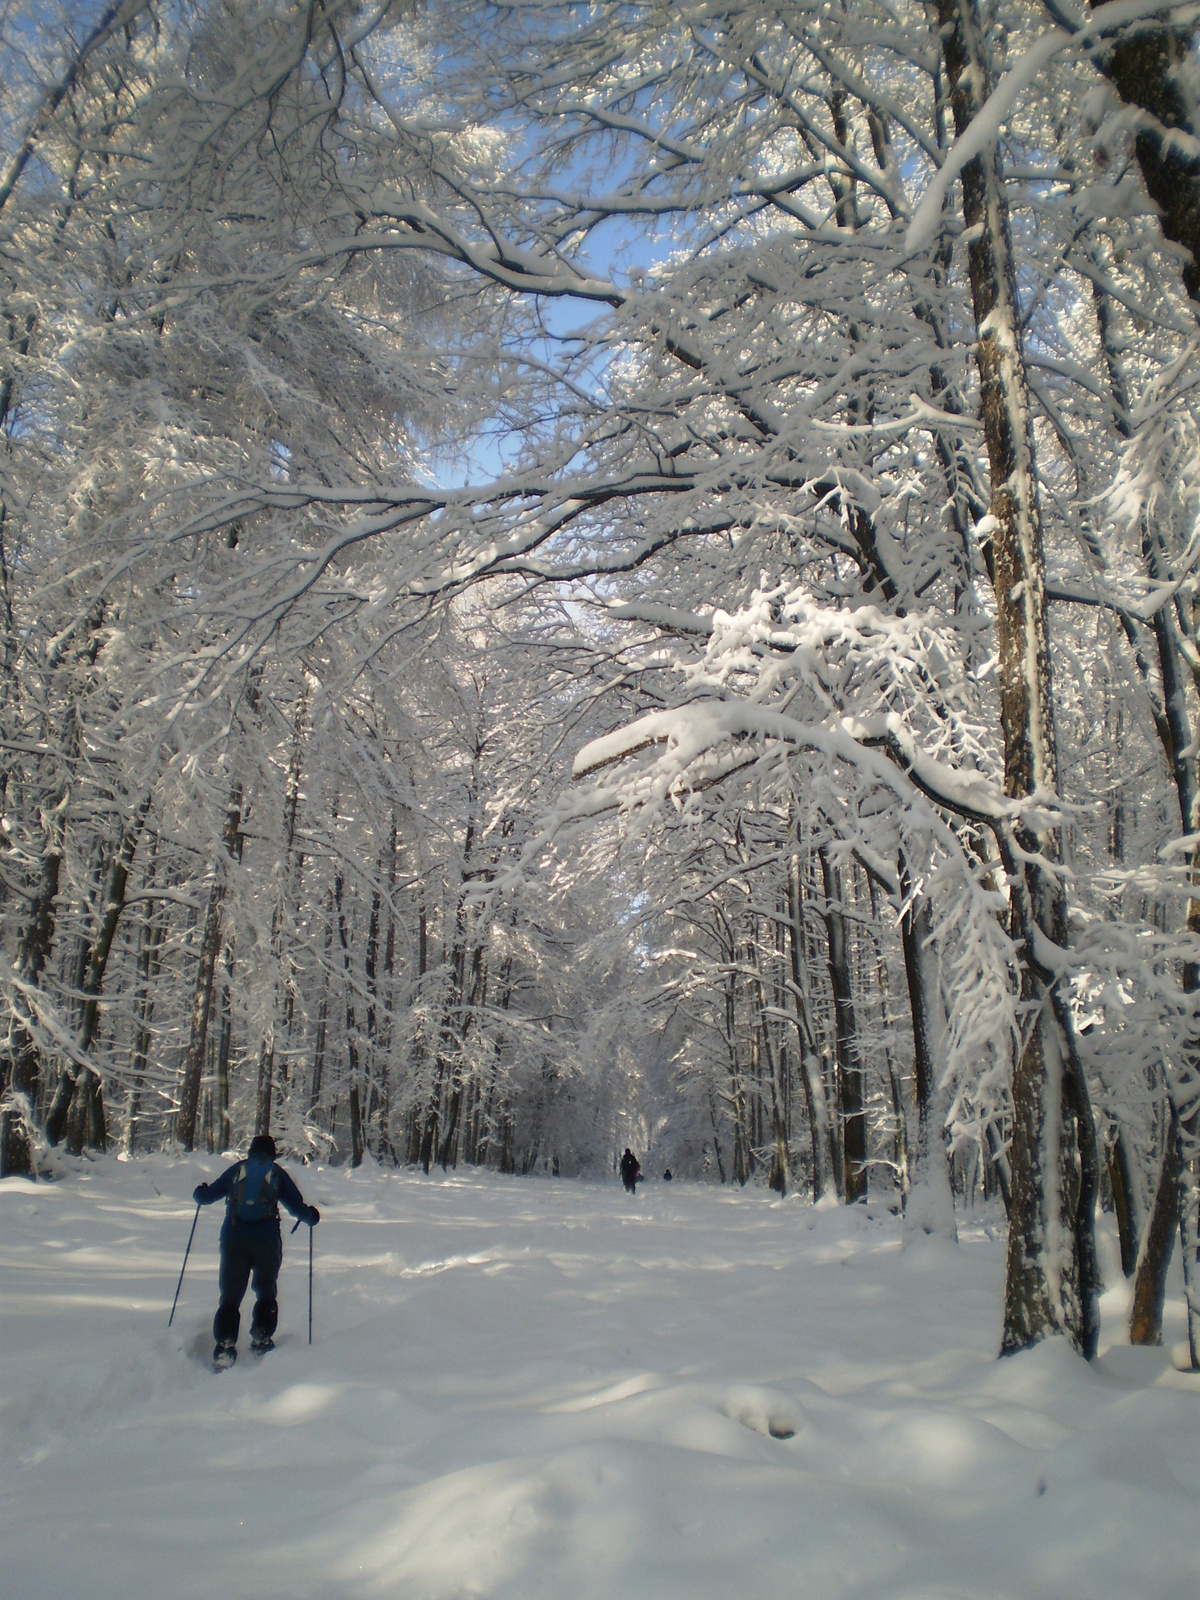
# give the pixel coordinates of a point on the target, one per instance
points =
(133, 371)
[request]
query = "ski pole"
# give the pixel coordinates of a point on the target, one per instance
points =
(299, 1220)
(183, 1268)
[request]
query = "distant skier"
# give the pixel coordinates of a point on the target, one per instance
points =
(251, 1243)
(631, 1171)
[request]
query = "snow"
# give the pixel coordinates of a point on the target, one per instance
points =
(527, 1387)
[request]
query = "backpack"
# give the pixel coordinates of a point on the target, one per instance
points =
(255, 1190)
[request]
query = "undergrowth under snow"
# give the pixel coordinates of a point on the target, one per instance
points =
(529, 1389)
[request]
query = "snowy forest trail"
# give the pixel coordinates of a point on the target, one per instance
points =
(530, 1389)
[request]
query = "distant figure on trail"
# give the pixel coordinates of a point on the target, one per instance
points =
(667, 1175)
(631, 1171)
(251, 1243)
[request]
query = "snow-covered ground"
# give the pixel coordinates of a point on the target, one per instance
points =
(528, 1388)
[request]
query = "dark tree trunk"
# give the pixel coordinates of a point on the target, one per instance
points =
(370, 964)
(86, 1124)
(1000, 1165)
(712, 1114)
(265, 1089)
(206, 966)
(318, 1066)
(1150, 1282)
(22, 1056)
(916, 930)
(1120, 1177)
(811, 1077)
(850, 1072)
(735, 1095)
(1149, 70)
(434, 1140)
(114, 904)
(448, 1151)
(150, 940)
(224, 1128)
(385, 1032)
(779, 1171)
(357, 1144)
(415, 1122)
(94, 965)
(895, 1085)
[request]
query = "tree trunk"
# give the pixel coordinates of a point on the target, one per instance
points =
(931, 1197)
(712, 1115)
(449, 1037)
(1120, 1177)
(370, 963)
(1150, 1282)
(206, 966)
(385, 1032)
(899, 1112)
(1000, 1165)
(21, 1055)
(1052, 1279)
(114, 904)
(266, 1054)
(318, 1066)
(1148, 70)
(150, 940)
(811, 1077)
(735, 1096)
(416, 1126)
(224, 1129)
(357, 1144)
(94, 964)
(850, 1072)
(86, 1124)
(779, 1175)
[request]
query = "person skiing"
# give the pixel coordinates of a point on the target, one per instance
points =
(631, 1171)
(251, 1243)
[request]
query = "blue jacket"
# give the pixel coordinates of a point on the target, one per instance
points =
(235, 1227)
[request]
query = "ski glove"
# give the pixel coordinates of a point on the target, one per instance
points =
(313, 1217)
(200, 1193)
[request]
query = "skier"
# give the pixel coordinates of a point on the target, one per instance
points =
(631, 1171)
(251, 1243)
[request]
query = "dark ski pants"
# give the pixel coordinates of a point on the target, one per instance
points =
(239, 1259)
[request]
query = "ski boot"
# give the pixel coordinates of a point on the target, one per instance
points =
(260, 1343)
(224, 1356)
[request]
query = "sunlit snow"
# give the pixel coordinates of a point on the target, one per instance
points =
(530, 1388)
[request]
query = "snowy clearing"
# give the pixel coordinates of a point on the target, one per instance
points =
(529, 1388)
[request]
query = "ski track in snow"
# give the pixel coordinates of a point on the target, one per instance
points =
(529, 1388)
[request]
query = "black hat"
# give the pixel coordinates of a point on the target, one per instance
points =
(262, 1145)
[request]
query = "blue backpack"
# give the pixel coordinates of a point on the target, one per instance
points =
(255, 1190)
